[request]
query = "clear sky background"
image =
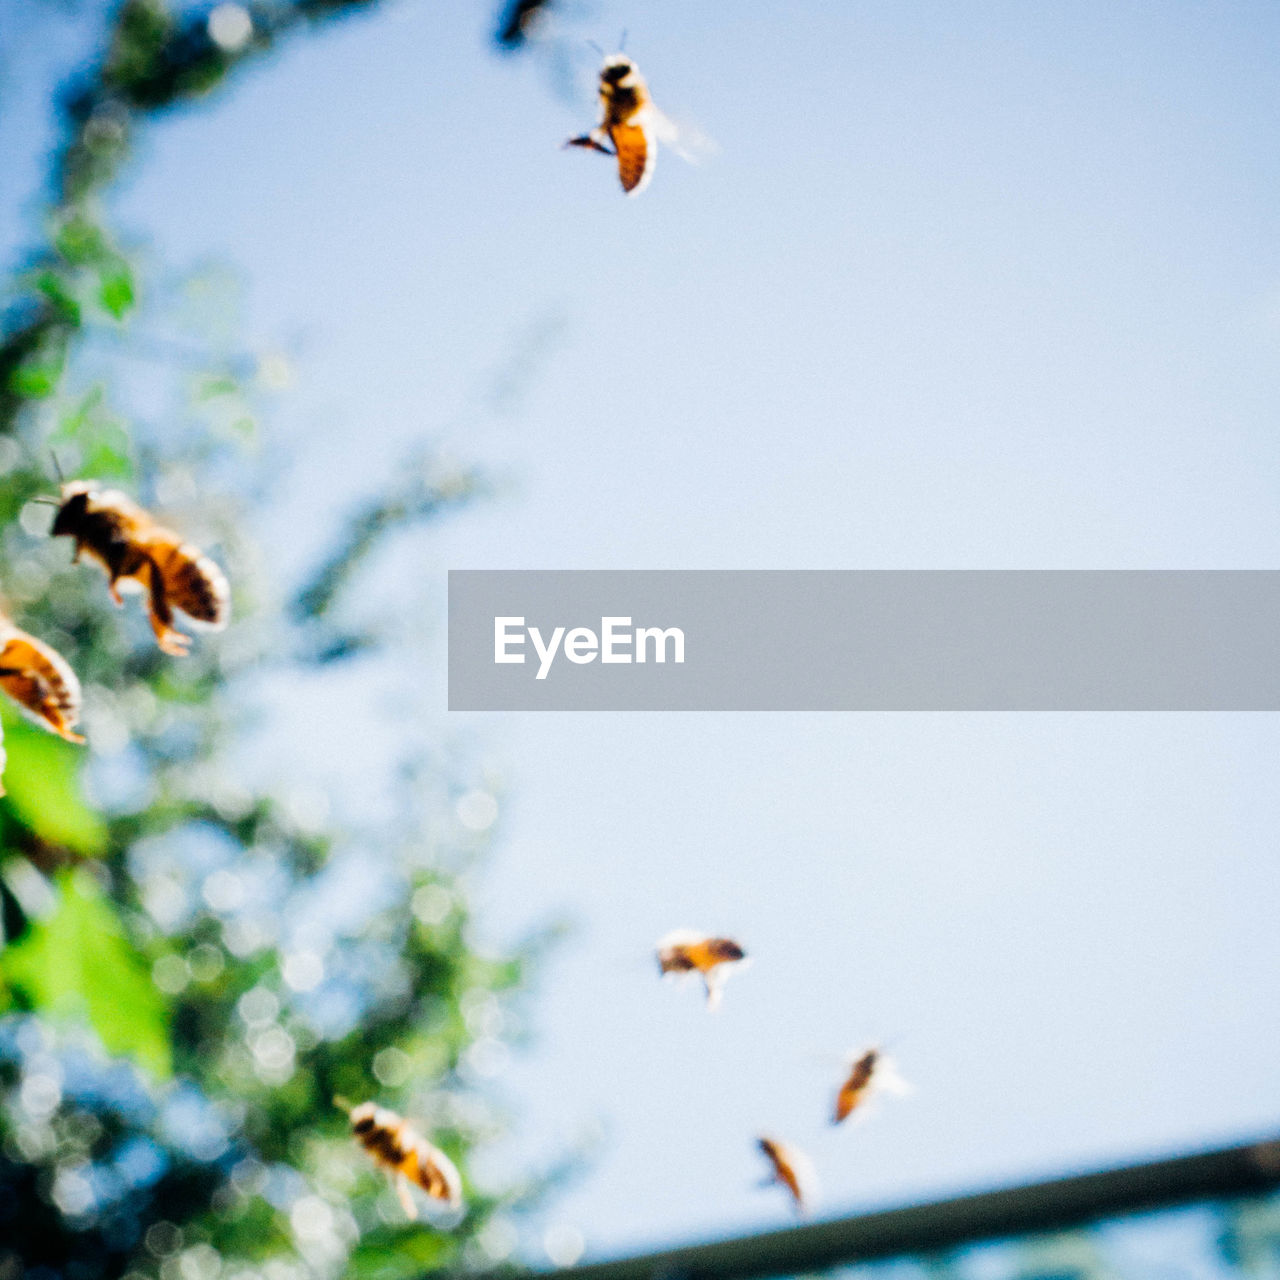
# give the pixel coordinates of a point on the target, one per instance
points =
(966, 285)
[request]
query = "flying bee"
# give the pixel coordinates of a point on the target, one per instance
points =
(40, 680)
(869, 1072)
(686, 951)
(141, 554)
(792, 1169)
(407, 1157)
(629, 123)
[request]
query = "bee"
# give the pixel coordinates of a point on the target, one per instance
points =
(407, 1157)
(790, 1168)
(869, 1072)
(40, 680)
(135, 550)
(628, 121)
(686, 951)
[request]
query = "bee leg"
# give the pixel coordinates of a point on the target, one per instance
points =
(406, 1196)
(593, 142)
(171, 641)
(713, 991)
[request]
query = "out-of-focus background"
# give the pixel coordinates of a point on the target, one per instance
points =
(978, 285)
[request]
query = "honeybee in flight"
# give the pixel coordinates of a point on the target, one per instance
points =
(686, 951)
(792, 1169)
(135, 550)
(869, 1072)
(629, 123)
(38, 678)
(407, 1157)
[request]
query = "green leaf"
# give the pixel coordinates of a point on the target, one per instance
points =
(76, 420)
(38, 377)
(80, 242)
(42, 783)
(12, 916)
(116, 290)
(78, 964)
(101, 439)
(397, 1253)
(55, 289)
(212, 385)
(107, 457)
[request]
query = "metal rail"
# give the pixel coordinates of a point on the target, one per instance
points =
(942, 1224)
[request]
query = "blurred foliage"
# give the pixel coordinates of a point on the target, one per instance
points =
(76, 962)
(180, 999)
(520, 22)
(1210, 1240)
(1249, 1238)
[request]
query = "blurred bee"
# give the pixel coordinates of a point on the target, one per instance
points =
(407, 1157)
(869, 1072)
(629, 122)
(40, 680)
(792, 1169)
(140, 553)
(686, 951)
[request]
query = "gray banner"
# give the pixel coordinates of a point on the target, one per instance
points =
(705, 640)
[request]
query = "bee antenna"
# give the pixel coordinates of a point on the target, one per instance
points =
(622, 42)
(57, 467)
(596, 47)
(45, 501)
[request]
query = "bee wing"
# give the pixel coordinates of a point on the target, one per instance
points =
(715, 990)
(887, 1079)
(686, 140)
(637, 150)
(679, 938)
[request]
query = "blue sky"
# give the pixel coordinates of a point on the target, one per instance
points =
(965, 285)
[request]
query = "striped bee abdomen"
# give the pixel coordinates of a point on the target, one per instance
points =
(636, 156)
(193, 583)
(40, 679)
